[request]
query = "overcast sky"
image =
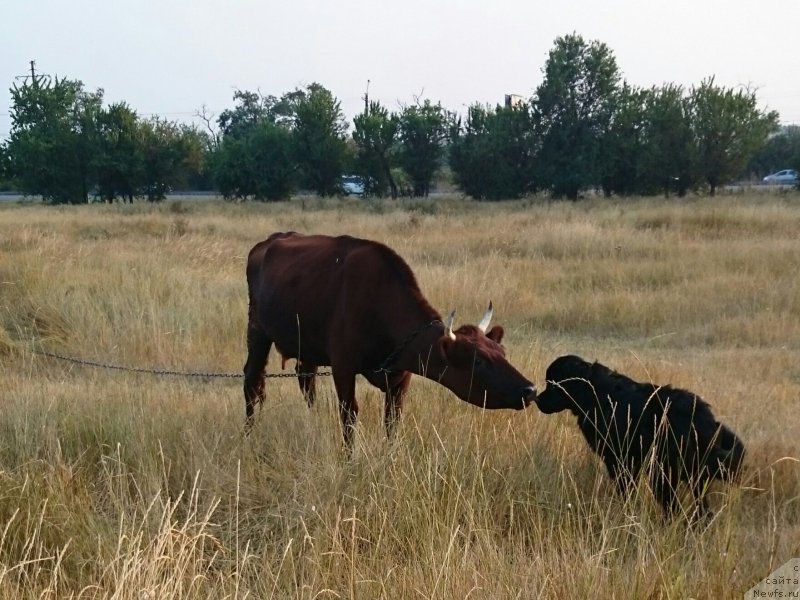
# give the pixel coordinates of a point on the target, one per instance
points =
(169, 57)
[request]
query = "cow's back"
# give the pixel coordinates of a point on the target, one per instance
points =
(305, 288)
(293, 263)
(298, 265)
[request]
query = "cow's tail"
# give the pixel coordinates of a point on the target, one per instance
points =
(727, 455)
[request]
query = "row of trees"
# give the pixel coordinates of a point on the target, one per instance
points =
(583, 128)
(634, 141)
(65, 146)
(267, 146)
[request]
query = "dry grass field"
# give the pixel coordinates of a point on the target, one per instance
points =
(133, 486)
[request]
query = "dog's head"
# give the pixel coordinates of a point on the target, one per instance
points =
(568, 386)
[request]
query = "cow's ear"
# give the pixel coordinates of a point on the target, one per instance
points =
(445, 345)
(495, 334)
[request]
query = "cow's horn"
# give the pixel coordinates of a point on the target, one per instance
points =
(487, 317)
(448, 328)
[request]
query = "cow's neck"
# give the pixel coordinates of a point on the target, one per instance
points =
(421, 354)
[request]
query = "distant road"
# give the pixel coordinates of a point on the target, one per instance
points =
(17, 197)
(11, 197)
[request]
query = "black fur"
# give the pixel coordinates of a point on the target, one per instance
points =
(669, 432)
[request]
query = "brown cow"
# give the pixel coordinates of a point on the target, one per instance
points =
(355, 305)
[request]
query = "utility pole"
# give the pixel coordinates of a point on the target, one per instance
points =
(34, 78)
(366, 99)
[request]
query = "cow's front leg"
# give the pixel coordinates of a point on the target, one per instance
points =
(258, 346)
(395, 393)
(345, 383)
(307, 377)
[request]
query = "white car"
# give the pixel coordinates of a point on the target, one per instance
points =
(352, 185)
(787, 176)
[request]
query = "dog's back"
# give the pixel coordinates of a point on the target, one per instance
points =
(713, 449)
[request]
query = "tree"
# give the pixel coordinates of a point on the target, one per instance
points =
(5, 167)
(52, 143)
(229, 168)
(254, 155)
(492, 154)
(669, 155)
(794, 160)
(252, 109)
(85, 116)
(781, 151)
(572, 110)
(728, 130)
(375, 134)
(271, 157)
(318, 127)
(119, 161)
(423, 133)
(622, 144)
(171, 152)
(259, 164)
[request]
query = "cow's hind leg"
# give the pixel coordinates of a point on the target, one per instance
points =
(258, 346)
(306, 376)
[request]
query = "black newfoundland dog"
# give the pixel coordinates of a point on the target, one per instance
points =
(670, 433)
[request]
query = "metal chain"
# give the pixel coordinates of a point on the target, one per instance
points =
(403, 345)
(383, 368)
(92, 363)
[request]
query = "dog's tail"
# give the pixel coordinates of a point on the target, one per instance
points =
(727, 455)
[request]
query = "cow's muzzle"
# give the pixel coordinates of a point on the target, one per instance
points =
(528, 395)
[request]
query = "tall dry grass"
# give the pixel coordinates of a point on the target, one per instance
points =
(122, 485)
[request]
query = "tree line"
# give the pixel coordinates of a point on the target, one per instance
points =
(66, 146)
(583, 128)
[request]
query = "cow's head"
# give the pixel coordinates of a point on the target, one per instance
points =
(568, 386)
(476, 369)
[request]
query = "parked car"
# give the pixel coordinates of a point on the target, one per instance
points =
(352, 185)
(787, 176)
